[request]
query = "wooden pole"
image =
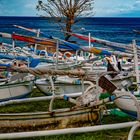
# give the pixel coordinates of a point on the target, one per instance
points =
(57, 54)
(1, 46)
(38, 33)
(89, 35)
(13, 45)
(136, 64)
(76, 61)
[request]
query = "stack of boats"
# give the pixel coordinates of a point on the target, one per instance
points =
(58, 67)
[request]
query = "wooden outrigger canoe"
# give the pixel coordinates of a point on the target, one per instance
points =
(57, 119)
(15, 90)
(62, 85)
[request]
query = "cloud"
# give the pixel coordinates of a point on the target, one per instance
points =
(30, 5)
(117, 8)
(136, 5)
(101, 8)
(18, 7)
(4, 10)
(137, 1)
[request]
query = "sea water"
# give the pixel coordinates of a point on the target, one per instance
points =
(113, 29)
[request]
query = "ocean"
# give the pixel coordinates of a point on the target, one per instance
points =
(112, 29)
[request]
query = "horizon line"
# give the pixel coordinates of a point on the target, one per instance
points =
(78, 17)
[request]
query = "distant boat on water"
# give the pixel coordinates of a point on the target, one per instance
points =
(136, 31)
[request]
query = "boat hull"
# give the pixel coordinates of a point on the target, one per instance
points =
(58, 119)
(127, 105)
(60, 88)
(15, 90)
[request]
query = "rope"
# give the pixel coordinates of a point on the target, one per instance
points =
(44, 70)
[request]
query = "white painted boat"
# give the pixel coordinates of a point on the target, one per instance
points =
(15, 90)
(127, 105)
(63, 85)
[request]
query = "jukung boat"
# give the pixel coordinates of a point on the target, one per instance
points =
(62, 85)
(88, 106)
(15, 85)
(15, 90)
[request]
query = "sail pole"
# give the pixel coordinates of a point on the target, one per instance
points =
(38, 33)
(1, 46)
(136, 64)
(89, 41)
(57, 53)
(13, 44)
(76, 61)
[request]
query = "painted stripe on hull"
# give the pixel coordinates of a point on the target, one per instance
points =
(131, 113)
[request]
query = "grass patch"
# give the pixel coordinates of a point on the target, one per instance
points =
(34, 106)
(119, 134)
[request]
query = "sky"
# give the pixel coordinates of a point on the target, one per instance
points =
(102, 8)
